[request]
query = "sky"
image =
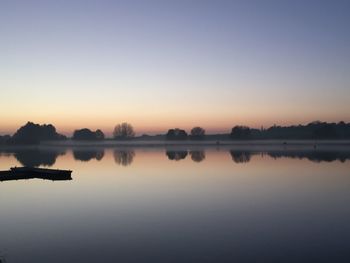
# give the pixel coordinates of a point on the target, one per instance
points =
(166, 64)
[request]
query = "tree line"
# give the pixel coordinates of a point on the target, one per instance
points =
(32, 133)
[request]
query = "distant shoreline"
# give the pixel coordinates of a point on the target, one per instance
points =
(197, 143)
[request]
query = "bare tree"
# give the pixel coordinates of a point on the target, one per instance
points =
(123, 131)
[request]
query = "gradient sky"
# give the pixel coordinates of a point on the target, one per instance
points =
(164, 64)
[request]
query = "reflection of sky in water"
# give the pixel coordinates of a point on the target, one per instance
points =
(161, 210)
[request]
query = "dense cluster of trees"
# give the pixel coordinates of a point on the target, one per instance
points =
(32, 133)
(241, 133)
(88, 135)
(176, 134)
(197, 133)
(314, 130)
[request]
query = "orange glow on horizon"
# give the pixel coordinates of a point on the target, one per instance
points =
(157, 126)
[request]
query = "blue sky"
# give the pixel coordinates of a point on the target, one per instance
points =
(161, 64)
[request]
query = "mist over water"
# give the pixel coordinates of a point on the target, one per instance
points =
(179, 204)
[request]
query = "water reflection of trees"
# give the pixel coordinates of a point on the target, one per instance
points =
(314, 156)
(37, 157)
(87, 155)
(176, 155)
(240, 156)
(124, 157)
(197, 156)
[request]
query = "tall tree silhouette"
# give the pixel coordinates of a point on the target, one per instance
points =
(123, 131)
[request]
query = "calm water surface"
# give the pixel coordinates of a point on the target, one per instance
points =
(177, 205)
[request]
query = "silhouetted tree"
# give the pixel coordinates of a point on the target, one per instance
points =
(123, 131)
(83, 134)
(32, 133)
(240, 132)
(197, 133)
(176, 155)
(176, 134)
(88, 135)
(124, 157)
(99, 135)
(197, 156)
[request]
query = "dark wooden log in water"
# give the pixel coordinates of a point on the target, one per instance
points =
(24, 173)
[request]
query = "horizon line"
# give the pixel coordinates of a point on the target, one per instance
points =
(159, 133)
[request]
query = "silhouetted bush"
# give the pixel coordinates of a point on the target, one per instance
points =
(176, 134)
(197, 133)
(123, 131)
(88, 135)
(34, 133)
(241, 132)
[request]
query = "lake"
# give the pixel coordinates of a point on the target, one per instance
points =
(178, 204)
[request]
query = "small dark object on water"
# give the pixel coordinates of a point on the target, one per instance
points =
(19, 173)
